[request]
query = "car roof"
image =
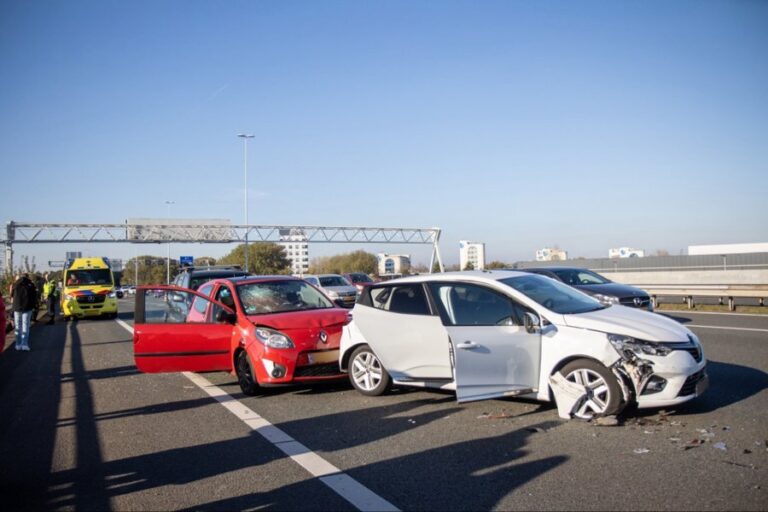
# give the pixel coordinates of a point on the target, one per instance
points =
(258, 279)
(466, 275)
(553, 268)
(220, 272)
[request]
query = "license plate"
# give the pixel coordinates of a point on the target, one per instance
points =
(702, 385)
(327, 356)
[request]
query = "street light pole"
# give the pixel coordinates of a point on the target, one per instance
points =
(168, 260)
(245, 137)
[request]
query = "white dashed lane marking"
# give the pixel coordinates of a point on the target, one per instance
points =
(344, 485)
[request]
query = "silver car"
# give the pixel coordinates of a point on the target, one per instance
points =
(335, 286)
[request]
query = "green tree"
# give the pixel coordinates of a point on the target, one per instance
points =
(497, 264)
(151, 270)
(469, 266)
(263, 258)
(357, 261)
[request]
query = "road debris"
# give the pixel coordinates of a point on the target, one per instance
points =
(568, 395)
(641, 451)
(721, 446)
(694, 443)
(499, 416)
(606, 421)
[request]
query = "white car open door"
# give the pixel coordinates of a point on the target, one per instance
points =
(409, 340)
(494, 354)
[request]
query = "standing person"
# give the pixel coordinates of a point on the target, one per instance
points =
(51, 297)
(24, 297)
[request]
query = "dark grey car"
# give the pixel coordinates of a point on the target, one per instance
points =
(596, 285)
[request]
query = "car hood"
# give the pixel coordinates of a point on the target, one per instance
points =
(630, 322)
(304, 327)
(612, 289)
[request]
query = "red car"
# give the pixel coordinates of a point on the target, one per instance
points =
(359, 279)
(265, 330)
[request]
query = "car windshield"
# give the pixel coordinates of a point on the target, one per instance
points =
(553, 295)
(280, 297)
(576, 277)
(90, 277)
(360, 278)
(333, 281)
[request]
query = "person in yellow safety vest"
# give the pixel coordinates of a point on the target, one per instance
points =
(51, 297)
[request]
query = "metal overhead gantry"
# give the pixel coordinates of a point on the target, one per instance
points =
(221, 232)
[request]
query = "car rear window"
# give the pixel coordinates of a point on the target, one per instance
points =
(407, 299)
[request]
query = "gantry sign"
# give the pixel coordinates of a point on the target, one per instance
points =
(217, 231)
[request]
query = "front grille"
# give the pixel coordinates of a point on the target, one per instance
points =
(317, 370)
(691, 348)
(695, 352)
(689, 388)
(630, 301)
(91, 299)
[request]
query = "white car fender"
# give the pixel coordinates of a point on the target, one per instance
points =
(561, 343)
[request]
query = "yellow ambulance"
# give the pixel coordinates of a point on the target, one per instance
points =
(89, 289)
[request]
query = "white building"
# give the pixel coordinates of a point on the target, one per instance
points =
(551, 254)
(471, 253)
(625, 252)
(719, 249)
(393, 263)
(296, 247)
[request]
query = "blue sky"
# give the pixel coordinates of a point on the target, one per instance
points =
(587, 125)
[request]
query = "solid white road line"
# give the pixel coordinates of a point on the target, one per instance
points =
(689, 312)
(726, 328)
(344, 485)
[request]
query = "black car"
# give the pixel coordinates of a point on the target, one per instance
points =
(597, 286)
(193, 277)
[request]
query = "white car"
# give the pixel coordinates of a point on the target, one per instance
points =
(505, 333)
(335, 286)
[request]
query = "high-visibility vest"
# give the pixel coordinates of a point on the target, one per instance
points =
(48, 288)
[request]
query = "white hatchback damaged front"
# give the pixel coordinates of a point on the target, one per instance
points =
(660, 362)
(503, 333)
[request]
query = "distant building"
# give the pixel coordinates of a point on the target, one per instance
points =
(625, 252)
(471, 253)
(393, 263)
(701, 250)
(551, 254)
(296, 247)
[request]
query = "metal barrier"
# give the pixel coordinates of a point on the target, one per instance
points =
(725, 291)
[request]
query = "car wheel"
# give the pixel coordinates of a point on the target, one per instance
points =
(245, 376)
(367, 374)
(603, 391)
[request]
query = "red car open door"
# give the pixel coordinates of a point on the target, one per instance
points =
(174, 330)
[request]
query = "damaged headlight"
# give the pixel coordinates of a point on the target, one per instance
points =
(272, 338)
(640, 347)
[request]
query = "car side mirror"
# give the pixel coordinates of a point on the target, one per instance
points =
(177, 297)
(532, 322)
(225, 317)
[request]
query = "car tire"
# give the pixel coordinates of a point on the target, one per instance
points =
(367, 374)
(604, 396)
(245, 376)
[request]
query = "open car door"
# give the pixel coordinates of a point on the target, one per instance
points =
(174, 330)
(494, 354)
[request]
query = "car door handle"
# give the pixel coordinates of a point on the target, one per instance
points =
(467, 345)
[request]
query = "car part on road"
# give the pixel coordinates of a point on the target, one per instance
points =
(569, 396)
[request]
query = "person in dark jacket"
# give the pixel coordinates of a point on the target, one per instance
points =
(24, 295)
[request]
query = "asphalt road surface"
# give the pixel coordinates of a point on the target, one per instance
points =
(81, 429)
